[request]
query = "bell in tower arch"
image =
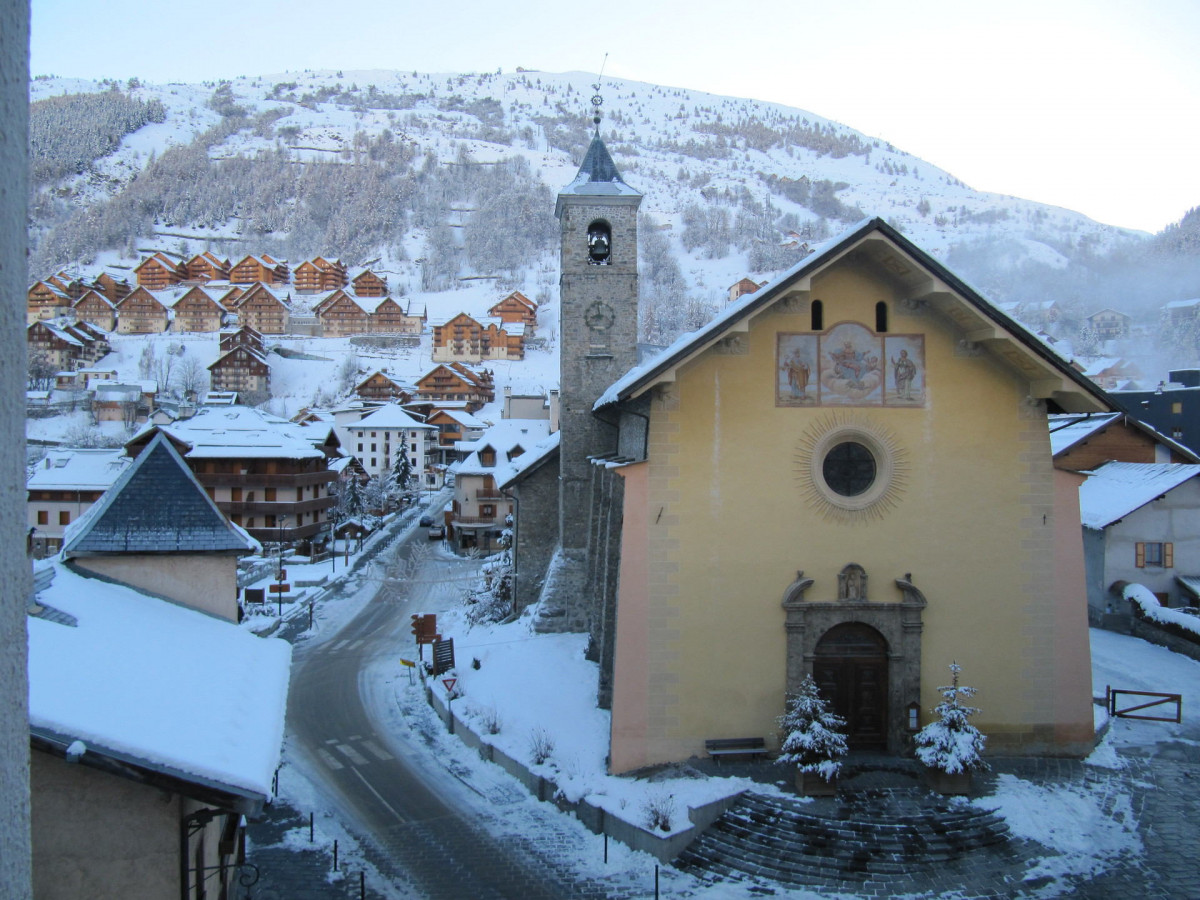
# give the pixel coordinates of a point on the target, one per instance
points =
(599, 243)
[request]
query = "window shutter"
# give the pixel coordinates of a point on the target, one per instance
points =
(1140, 555)
(1168, 556)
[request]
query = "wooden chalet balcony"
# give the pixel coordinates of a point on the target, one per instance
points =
(270, 534)
(277, 508)
(489, 494)
(298, 479)
(478, 520)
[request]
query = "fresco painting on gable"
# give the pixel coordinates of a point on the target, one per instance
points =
(850, 365)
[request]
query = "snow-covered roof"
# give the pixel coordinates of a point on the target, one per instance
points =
(1070, 429)
(1116, 489)
(221, 432)
(184, 693)
(504, 437)
(461, 416)
(883, 242)
(1179, 304)
(78, 470)
(529, 460)
(597, 176)
(390, 415)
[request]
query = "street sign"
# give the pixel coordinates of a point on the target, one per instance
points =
(449, 683)
(279, 588)
(407, 662)
(443, 656)
(254, 595)
(281, 575)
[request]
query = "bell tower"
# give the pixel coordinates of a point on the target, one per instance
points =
(598, 290)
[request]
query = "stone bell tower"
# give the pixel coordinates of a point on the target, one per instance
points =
(598, 284)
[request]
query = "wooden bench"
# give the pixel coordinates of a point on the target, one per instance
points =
(750, 746)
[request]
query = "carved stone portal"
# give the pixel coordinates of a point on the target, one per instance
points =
(899, 622)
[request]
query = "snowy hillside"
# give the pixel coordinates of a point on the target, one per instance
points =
(734, 162)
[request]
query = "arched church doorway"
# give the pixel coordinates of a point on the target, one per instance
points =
(850, 666)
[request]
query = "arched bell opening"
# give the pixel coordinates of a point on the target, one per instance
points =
(599, 239)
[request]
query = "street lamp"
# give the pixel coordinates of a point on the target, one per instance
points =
(279, 575)
(335, 518)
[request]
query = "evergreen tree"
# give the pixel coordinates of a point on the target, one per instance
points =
(813, 739)
(402, 470)
(952, 744)
(352, 498)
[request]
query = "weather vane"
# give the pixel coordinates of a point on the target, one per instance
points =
(597, 100)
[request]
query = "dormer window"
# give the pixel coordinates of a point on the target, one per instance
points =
(487, 456)
(599, 243)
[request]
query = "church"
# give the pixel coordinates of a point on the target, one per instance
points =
(847, 473)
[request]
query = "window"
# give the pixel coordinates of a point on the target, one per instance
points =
(64, 517)
(881, 317)
(1154, 555)
(818, 315)
(849, 468)
(487, 509)
(43, 517)
(1177, 408)
(269, 495)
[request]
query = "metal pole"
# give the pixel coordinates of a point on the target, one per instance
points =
(362, 886)
(335, 859)
(310, 828)
(656, 883)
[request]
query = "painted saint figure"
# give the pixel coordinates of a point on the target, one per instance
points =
(797, 375)
(904, 371)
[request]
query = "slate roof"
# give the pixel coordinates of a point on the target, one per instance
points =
(155, 506)
(597, 177)
(1069, 430)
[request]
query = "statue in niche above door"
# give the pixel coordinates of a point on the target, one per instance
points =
(852, 583)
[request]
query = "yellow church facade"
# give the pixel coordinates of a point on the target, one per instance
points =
(848, 474)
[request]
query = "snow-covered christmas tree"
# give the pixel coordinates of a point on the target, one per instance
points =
(952, 744)
(813, 739)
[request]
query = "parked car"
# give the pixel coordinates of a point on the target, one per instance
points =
(426, 521)
(436, 532)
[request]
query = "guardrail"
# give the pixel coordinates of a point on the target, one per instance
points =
(1113, 703)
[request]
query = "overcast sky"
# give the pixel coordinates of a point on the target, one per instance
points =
(1093, 105)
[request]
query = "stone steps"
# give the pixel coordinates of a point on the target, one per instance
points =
(880, 837)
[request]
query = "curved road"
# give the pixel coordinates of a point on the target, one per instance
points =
(383, 779)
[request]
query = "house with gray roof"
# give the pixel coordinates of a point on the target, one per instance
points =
(157, 529)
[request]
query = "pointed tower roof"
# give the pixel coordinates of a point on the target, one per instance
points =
(155, 506)
(598, 177)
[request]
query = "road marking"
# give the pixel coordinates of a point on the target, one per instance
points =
(356, 644)
(378, 796)
(338, 646)
(353, 755)
(329, 759)
(377, 751)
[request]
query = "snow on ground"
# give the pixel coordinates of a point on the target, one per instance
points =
(539, 688)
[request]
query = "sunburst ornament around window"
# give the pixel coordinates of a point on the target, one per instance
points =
(851, 469)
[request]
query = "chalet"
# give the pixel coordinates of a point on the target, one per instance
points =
(242, 337)
(265, 473)
(46, 300)
(1109, 324)
(454, 381)
(207, 266)
(111, 287)
(455, 428)
(1112, 373)
(1081, 443)
(1181, 312)
(263, 309)
(531, 406)
(390, 317)
(379, 436)
(341, 315)
(197, 311)
(514, 308)
(367, 284)
(159, 272)
(319, 274)
(71, 285)
(741, 288)
(241, 369)
(95, 308)
(264, 269)
(379, 386)
(227, 295)
(465, 339)
(63, 344)
(141, 312)
(479, 509)
(62, 487)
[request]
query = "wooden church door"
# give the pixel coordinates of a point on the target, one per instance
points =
(851, 670)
